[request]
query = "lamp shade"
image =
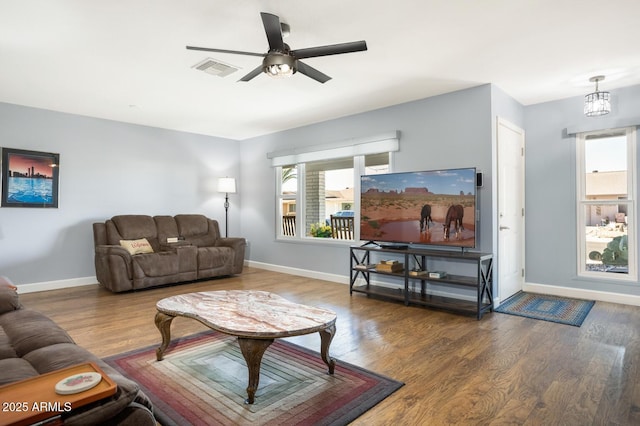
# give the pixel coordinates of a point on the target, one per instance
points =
(227, 185)
(597, 103)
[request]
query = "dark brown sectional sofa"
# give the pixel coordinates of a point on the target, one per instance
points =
(166, 250)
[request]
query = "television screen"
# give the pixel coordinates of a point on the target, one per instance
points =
(430, 207)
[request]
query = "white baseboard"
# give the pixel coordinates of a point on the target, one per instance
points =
(578, 293)
(342, 279)
(55, 285)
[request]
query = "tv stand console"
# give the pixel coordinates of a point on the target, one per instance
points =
(363, 261)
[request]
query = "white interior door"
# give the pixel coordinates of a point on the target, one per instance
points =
(510, 209)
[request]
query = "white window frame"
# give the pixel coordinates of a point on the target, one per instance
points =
(358, 170)
(279, 199)
(357, 148)
(582, 202)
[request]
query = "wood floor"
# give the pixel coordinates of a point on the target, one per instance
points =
(457, 370)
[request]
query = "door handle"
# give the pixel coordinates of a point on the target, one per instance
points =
(502, 228)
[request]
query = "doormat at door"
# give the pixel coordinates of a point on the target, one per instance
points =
(562, 310)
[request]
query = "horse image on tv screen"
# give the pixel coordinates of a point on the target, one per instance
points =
(431, 207)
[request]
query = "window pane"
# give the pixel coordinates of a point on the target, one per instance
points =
(287, 199)
(607, 247)
(289, 190)
(606, 168)
(328, 190)
(289, 180)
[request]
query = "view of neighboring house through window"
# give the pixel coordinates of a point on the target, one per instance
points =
(606, 204)
(322, 189)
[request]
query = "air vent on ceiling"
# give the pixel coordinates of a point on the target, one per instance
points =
(215, 67)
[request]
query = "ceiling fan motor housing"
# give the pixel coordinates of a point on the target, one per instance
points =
(279, 64)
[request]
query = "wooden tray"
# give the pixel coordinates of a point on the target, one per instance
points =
(35, 399)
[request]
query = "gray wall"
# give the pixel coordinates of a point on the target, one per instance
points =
(106, 168)
(110, 168)
(447, 131)
(551, 187)
(504, 106)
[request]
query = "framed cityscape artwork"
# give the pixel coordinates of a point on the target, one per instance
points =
(29, 178)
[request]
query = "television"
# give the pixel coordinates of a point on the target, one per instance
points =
(435, 207)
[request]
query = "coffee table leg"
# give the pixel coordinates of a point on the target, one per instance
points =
(163, 322)
(326, 336)
(252, 350)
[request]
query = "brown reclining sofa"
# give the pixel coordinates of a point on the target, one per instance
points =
(137, 251)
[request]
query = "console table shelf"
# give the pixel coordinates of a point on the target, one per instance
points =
(482, 281)
(386, 292)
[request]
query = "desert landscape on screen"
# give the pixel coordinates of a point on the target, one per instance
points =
(395, 214)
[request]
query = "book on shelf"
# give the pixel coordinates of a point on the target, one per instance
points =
(389, 262)
(364, 266)
(437, 274)
(418, 273)
(390, 267)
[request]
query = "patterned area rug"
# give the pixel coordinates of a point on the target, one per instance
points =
(548, 308)
(203, 378)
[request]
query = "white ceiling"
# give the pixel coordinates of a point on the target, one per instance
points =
(126, 60)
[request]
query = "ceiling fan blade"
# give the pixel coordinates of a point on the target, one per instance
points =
(235, 52)
(274, 31)
(332, 49)
(252, 74)
(312, 72)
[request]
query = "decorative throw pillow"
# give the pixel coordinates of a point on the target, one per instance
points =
(137, 246)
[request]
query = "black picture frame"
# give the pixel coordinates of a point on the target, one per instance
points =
(30, 178)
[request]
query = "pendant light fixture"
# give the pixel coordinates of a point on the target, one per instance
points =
(597, 103)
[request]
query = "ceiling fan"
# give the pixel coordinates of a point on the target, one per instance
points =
(281, 61)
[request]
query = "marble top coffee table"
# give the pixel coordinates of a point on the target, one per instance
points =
(255, 317)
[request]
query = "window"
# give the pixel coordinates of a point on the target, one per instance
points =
(287, 195)
(329, 188)
(315, 183)
(607, 244)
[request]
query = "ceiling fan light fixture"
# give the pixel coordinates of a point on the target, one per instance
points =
(279, 65)
(597, 103)
(280, 60)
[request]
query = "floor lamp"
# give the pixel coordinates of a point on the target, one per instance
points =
(228, 186)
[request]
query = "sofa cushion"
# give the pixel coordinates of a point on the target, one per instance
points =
(155, 264)
(28, 330)
(197, 229)
(132, 227)
(6, 349)
(15, 369)
(58, 356)
(214, 257)
(167, 228)
(137, 246)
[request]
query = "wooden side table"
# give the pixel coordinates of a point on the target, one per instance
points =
(35, 399)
